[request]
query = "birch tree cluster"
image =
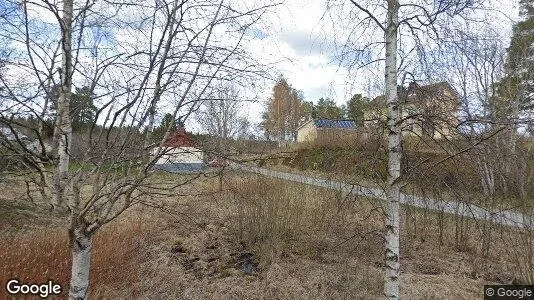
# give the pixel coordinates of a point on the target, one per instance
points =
(129, 61)
(285, 110)
(222, 116)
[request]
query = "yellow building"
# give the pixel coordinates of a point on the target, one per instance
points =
(430, 110)
(324, 129)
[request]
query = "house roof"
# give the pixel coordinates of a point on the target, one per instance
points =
(326, 123)
(419, 93)
(179, 139)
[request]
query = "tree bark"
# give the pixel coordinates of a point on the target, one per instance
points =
(63, 125)
(392, 258)
(81, 262)
(157, 88)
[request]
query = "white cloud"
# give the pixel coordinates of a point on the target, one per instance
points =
(296, 39)
(302, 50)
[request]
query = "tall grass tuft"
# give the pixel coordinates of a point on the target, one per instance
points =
(45, 255)
(275, 218)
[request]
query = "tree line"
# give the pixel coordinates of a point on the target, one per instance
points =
(286, 110)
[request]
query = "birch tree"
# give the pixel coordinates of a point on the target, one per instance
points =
(284, 112)
(63, 128)
(418, 20)
(221, 114)
(136, 59)
(391, 285)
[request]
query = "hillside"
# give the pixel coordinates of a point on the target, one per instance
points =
(261, 238)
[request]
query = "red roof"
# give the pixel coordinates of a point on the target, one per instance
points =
(179, 139)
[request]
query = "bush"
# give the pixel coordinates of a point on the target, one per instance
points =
(274, 218)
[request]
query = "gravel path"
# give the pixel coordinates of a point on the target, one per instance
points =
(507, 218)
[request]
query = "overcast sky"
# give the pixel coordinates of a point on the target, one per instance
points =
(300, 38)
(294, 38)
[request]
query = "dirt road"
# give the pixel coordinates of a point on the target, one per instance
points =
(458, 208)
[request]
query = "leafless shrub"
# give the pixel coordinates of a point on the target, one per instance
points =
(277, 219)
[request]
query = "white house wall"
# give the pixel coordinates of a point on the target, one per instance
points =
(183, 155)
(307, 133)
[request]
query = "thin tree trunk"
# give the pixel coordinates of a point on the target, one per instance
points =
(150, 126)
(80, 244)
(80, 241)
(157, 88)
(392, 257)
(81, 262)
(64, 124)
(225, 113)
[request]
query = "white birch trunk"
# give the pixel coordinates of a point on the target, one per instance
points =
(80, 241)
(80, 244)
(63, 126)
(81, 262)
(392, 257)
(486, 176)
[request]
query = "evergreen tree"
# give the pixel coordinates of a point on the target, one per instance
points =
(518, 85)
(83, 110)
(327, 109)
(166, 121)
(355, 107)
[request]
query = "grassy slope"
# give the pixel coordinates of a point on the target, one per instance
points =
(306, 243)
(453, 179)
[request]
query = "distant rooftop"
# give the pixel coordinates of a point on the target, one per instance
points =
(326, 123)
(179, 139)
(418, 93)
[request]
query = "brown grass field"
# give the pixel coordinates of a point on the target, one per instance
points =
(261, 239)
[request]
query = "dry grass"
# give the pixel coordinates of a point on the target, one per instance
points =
(32, 258)
(44, 254)
(277, 218)
(488, 251)
(303, 243)
(336, 138)
(273, 217)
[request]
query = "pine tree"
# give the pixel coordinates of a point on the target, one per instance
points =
(82, 110)
(355, 107)
(327, 109)
(519, 83)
